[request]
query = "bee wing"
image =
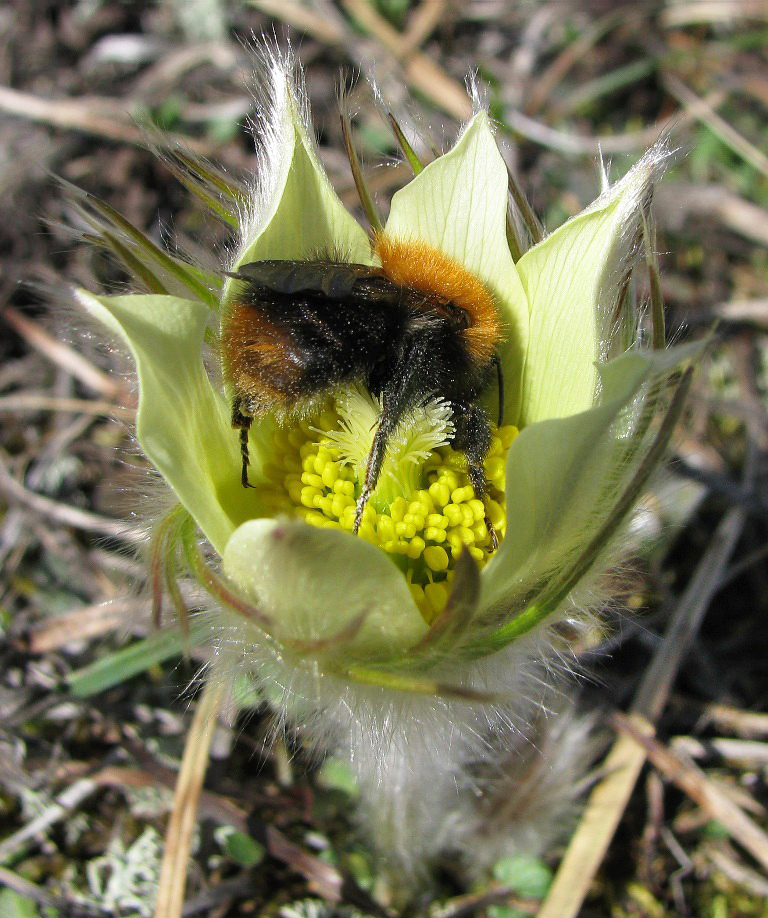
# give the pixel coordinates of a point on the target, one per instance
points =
(335, 280)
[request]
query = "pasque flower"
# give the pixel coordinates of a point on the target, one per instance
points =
(413, 648)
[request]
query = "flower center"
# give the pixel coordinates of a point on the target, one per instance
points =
(423, 512)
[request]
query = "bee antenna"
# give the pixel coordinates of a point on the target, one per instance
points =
(500, 384)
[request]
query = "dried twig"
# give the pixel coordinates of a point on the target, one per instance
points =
(682, 200)
(751, 752)
(739, 873)
(423, 21)
(181, 826)
(85, 623)
(569, 143)
(328, 27)
(744, 723)
(32, 893)
(752, 311)
(39, 401)
(59, 809)
(702, 110)
(420, 71)
(696, 784)
(102, 117)
(694, 12)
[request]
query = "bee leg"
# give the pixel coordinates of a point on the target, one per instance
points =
(398, 396)
(472, 436)
(480, 487)
(496, 360)
(375, 461)
(361, 502)
(242, 422)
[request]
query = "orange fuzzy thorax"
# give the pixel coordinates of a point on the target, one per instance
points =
(417, 266)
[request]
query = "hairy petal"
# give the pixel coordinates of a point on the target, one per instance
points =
(571, 279)
(563, 474)
(183, 423)
(293, 213)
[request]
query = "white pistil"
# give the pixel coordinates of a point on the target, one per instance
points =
(417, 436)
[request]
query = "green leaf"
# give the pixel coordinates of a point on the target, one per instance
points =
(503, 911)
(716, 831)
(115, 668)
(571, 280)
(458, 205)
(183, 423)
(530, 877)
(329, 594)
(12, 905)
(563, 475)
(243, 849)
(336, 775)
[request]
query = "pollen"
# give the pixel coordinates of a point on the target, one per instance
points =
(423, 514)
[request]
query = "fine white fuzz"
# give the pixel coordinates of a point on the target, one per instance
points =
(622, 260)
(417, 436)
(279, 95)
(429, 767)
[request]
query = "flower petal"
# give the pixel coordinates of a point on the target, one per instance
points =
(323, 587)
(183, 423)
(563, 475)
(458, 205)
(572, 280)
(294, 212)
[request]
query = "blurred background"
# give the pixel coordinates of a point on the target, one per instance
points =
(94, 705)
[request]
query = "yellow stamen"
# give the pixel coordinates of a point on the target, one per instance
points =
(424, 512)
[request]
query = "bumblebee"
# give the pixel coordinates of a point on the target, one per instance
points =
(419, 327)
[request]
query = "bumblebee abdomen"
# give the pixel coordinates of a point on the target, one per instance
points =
(279, 349)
